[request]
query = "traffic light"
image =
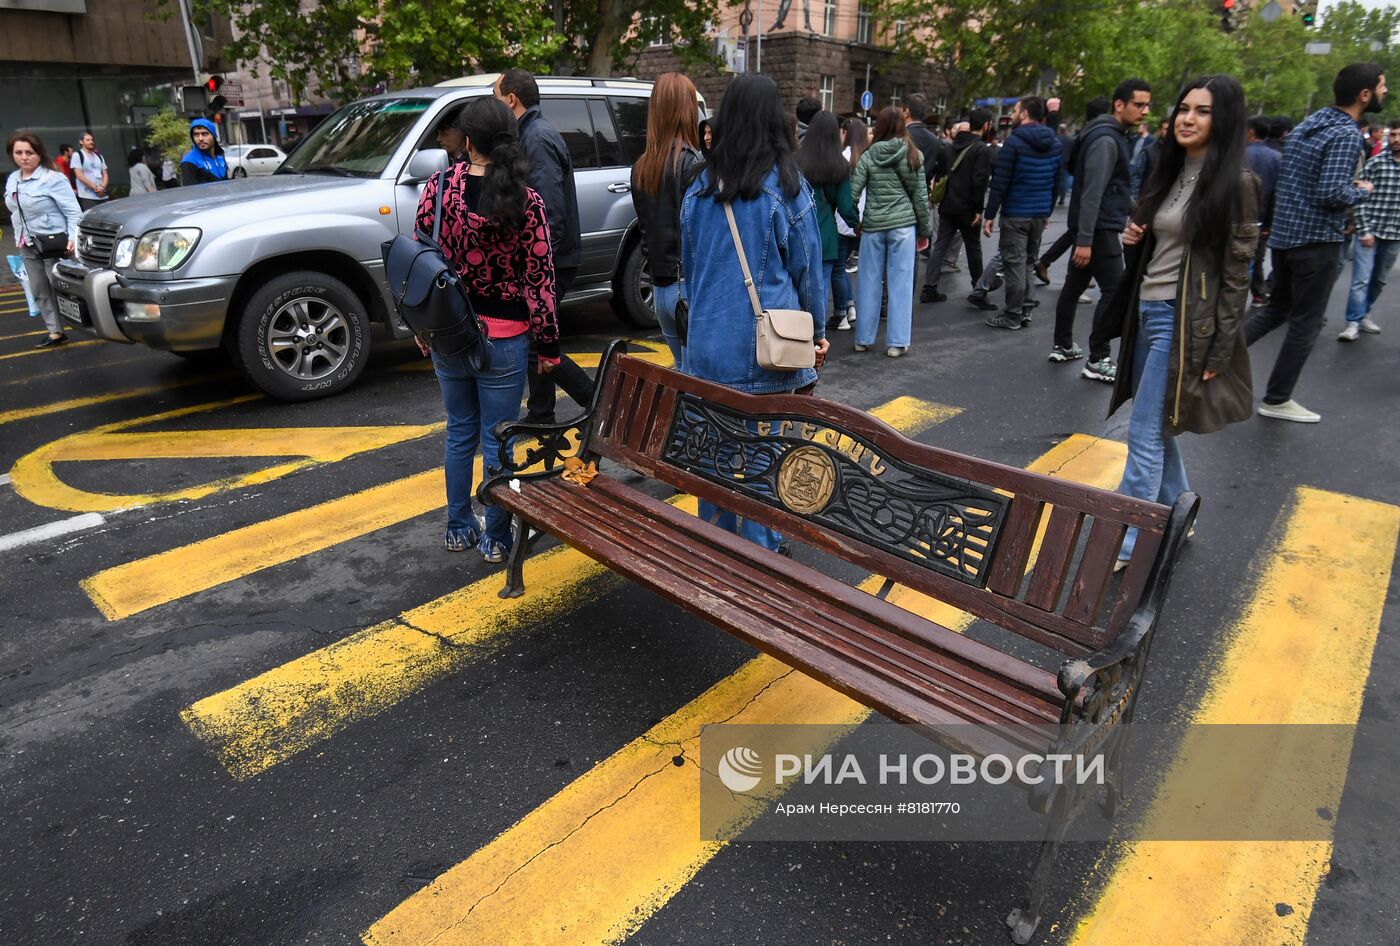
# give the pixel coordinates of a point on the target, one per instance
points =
(1228, 12)
(1308, 11)
(217, 102)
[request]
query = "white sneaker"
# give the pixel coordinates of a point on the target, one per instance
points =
(1370, 327)
(1351, 333)
(1085, 298)
(1289, 410)
(845, 324)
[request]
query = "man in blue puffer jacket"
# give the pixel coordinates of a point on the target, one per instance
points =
(1023, 192)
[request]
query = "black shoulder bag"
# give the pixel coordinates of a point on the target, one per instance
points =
(429, 297)
(46, 245)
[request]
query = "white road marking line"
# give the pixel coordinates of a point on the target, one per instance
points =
(52, 530)
(4, 479)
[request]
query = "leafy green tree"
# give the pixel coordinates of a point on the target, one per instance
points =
(168, 133)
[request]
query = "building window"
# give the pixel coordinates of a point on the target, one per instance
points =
(863, 26)
(942, 104)
(657, 30)
(829, 18)
(829, 93)
(899, 27)
(897, 96)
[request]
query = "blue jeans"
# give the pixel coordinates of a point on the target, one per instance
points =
(840, 279)
(664, 299)
(886, 257)
(476, 401)
(1369, 267)
(730, 522)
(1155, 470)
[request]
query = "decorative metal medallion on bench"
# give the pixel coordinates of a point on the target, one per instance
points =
(836, 480)
(1027, 553)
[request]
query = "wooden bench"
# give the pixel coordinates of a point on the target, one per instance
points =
(950, 526)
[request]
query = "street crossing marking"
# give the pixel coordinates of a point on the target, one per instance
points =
(51, 530)
(626, 835)
(36, 481)
(272, 717)
(1300, 654)
(25, 413)
(124, 590)
(45, 351)
(7, 338)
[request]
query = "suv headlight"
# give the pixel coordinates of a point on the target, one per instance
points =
(126, 246)
(163, 250)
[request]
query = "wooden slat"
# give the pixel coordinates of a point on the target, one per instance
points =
(1052, 564)
(1095, 569)
(664, 557)
(1014, 547)
(642, 414)
(661, 423)
(1134, 579)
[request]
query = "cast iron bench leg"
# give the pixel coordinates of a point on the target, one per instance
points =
(515, 564)
(1024, 920)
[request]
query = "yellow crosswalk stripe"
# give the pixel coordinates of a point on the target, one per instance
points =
(1300, 654)
(42, 410)
(6, 338)
(626, 836)
(45, 351)
(270, 718)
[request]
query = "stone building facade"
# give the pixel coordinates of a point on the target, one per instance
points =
(832, 62)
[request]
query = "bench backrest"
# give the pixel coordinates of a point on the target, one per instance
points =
(954, 527)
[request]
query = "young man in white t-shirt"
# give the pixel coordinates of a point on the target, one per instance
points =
(89, 173)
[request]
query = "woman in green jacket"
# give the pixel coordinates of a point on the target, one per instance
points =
(895, 227)
(829, 173)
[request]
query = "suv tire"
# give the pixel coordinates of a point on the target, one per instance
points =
(632, 293)
(304, 335)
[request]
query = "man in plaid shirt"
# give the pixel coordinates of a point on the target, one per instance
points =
(1317, 188)
(1377, 237)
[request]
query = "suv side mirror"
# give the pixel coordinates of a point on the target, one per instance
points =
(424, 165)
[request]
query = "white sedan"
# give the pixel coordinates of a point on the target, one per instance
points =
(254, 160)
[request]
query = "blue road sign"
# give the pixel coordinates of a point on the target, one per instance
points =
(866, 100)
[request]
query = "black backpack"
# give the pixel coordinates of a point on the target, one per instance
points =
(429, 297)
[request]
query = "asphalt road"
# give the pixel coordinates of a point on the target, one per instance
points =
(245, 740)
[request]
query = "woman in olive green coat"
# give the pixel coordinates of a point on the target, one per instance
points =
(1183, 298)
(894, 229)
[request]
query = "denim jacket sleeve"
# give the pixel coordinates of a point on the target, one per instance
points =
(56, 186)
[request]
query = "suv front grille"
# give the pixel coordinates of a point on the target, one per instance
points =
(95, 244)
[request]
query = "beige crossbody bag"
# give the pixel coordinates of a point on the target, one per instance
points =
(782, 337)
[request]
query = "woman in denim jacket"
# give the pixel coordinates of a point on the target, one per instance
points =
(40, 202)
(752, 168)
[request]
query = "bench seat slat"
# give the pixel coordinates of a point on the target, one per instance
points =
(836, 633)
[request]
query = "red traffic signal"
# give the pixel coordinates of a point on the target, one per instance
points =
(213, 83)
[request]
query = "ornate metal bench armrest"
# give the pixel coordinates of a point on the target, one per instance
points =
(1075, 674)
(553, 446)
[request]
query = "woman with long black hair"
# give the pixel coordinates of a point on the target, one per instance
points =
(829, 174)
(496, 235)
(1182, 303)
(751, 172)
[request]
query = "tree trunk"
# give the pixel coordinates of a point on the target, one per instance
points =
(614, 18)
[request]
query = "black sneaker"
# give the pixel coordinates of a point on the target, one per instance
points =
(1011, 323)
(980, 300)
(48, 341)
(931, 294)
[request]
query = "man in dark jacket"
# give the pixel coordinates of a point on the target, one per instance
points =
(807, 108)
(1317, 190)
(1023, 190)
(552, 177)
(934, 148)
(961, 209)
(1265, 163)
(1098, 213)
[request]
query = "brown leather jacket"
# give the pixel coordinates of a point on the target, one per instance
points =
(1211, 298)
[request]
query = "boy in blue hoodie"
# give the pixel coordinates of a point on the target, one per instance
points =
(204, 163)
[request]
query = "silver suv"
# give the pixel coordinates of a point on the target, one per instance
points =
(284, 273)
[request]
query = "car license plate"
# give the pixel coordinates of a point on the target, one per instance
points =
(71, 309)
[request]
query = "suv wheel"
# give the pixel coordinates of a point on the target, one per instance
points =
(304, 335)
(632, 293)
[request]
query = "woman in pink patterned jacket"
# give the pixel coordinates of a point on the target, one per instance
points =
(496, 235)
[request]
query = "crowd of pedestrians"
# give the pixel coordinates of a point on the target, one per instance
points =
(758, 209)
